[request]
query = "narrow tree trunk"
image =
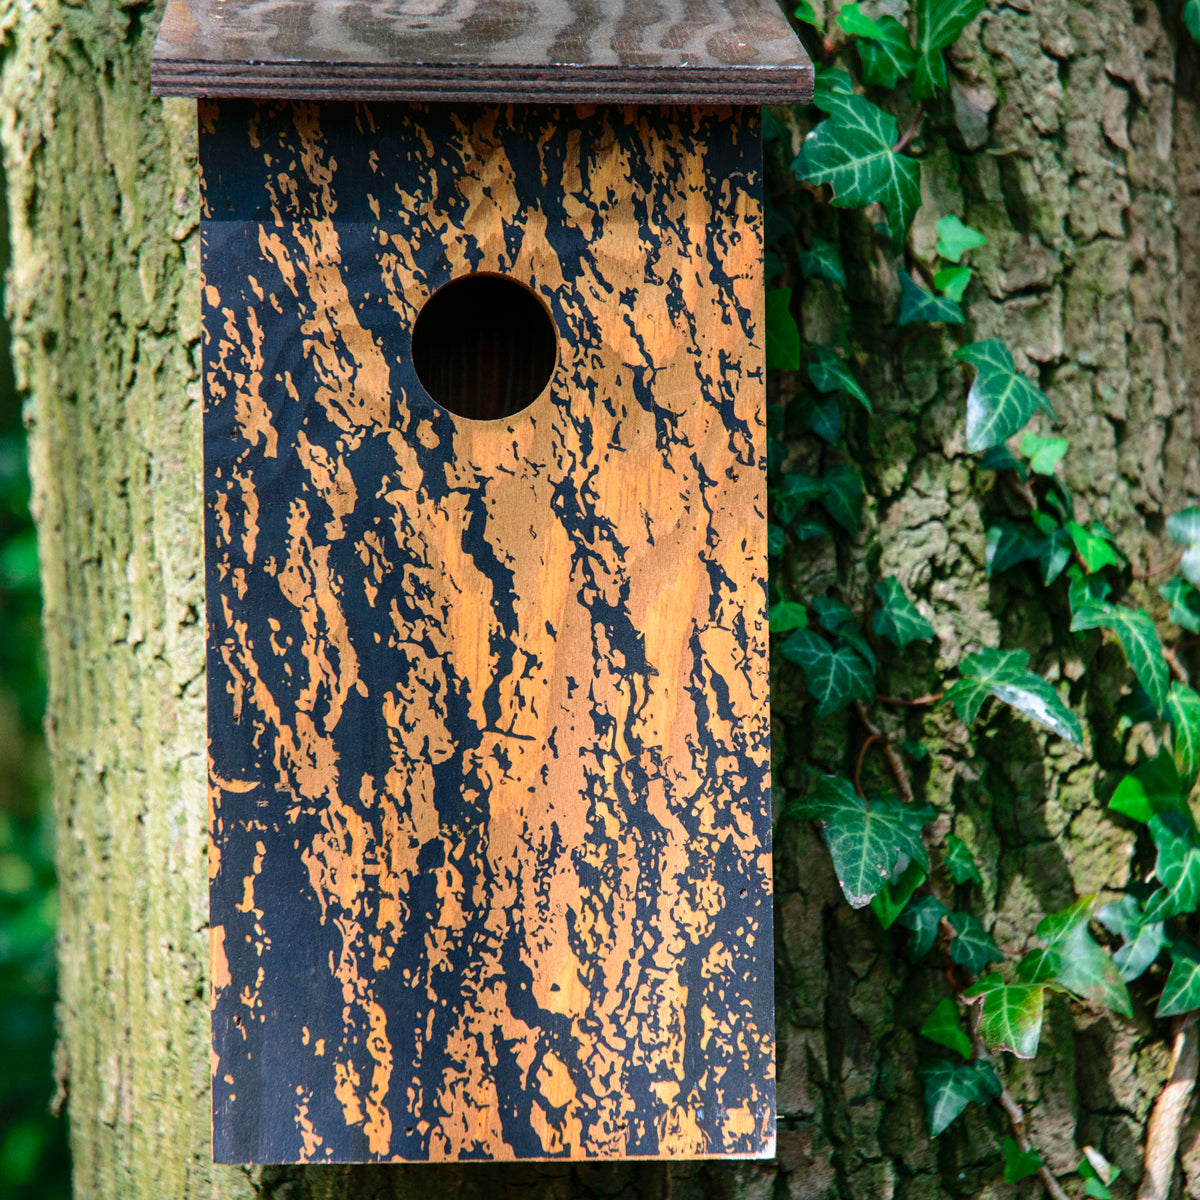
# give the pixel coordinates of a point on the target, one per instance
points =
(1080, 159)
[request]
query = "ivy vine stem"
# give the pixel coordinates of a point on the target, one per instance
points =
(912, 131)
(1162, 1135)
(895, 763)
(1150, 572)
(915, 702)
(1016, 1115)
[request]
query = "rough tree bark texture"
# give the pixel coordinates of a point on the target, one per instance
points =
(1079, 156)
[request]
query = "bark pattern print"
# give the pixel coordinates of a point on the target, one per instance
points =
(489, 776)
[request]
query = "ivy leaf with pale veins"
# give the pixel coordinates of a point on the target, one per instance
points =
(1142, 940)
(887, 56)
(1152, 788)
(1039, 966)
(972, 946)
(1183, 711)
(939, 22)
(836, 617)
(1008, 545)
(822, 260)
(1181, 992)
(834, 676)
(1001, 400)
(1006, 675)
(783, 335)
(1085, 968)
(955, 238)
(1135, 631)
(897, 619)
(918, 305)
(1177, 868)
(842, 497)
(923, 917)
(1185, 604)
(830, 374)
(1184, 527)
(951, 1086)
(852, 152)
(865, 839)
(1012, 1014)
(942, 1026)
(960, 862)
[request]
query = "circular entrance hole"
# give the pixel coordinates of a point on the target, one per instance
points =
(484, 347)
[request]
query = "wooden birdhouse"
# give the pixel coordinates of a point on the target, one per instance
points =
(484, 478)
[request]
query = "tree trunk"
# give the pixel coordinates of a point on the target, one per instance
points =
(1078, 155)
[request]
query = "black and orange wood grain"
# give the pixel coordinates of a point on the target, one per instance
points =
(490, 807)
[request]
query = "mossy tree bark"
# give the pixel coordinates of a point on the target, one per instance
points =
(1075, 146)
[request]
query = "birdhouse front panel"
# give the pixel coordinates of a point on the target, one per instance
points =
(486, 567)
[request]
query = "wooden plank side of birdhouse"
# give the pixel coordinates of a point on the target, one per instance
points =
(691, 51)
(488, 707)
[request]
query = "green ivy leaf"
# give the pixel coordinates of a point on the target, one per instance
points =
(1085, 970)
(1191, 18)
(1183, 711)
(822, 260)
(1142, 940)
(960, 861)
(834, 677)
(786, 616)
(838, 619)
(807, 528)
(856, 22)
(939, 22)
(831, 81)
(972, 946)
(1012, 1014)
(889, 902)
(1001, 400)
(824, 418)
(924, 918)
(830, 374)
(1000, 458)
(1008, 545)
(1095, 546)
(918, 305)
(776, 540)
(1185, 604)
(1019, 1164)
(1181, 992)
(1184, 527)
(842, 496)
(1039, 966)
(952, 282)
(1177, 868)
(897, 619)
(1151, 788)
(805, 13)
(955, 238)
(1135, 631)
(1097, 1173)
(942, 1026)
(951, 1086)
(795, 491)
(852, 152)
(887, 57)
(1043, 452)
(1005, 675)
(783, 335)
(865, 840)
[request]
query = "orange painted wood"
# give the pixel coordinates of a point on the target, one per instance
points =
(488, 702)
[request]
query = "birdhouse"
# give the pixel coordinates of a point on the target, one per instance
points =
(484, 479)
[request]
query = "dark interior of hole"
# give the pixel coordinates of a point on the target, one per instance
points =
(484, 347)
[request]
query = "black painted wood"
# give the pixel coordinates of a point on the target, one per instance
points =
(620, 51)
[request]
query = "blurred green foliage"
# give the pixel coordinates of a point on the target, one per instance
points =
(33, 1144)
